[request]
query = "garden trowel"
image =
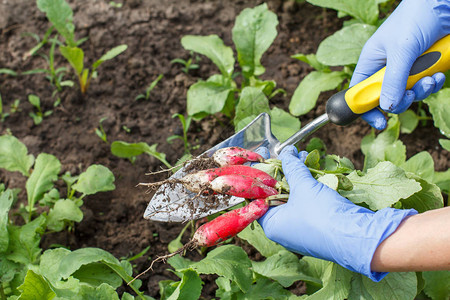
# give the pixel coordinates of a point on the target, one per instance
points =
(174, 203)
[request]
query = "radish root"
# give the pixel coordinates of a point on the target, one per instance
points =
(192, 244)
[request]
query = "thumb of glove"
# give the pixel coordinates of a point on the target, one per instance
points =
(297, 174)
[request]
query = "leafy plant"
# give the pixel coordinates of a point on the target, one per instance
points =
(60, 14)
(150, 88)
(185, 123)
(188, 64)
(100, 131)
(39, 115)
(131, 151)
(26, 269)
(252, 34)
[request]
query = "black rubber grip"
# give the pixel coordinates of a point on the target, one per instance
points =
(424, 62)
(338, 111)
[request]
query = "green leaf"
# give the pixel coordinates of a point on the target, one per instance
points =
(264, 288)
(442, 180)
(24, 241)
(75, 57)
(421, 164)
(381, 187)
(96, 178)
(283, 124)
(312, 160)
(311, 59)
(45, 172)
(212, 47)
(35, 287)
(127, 150)
(189, 287)
(6, 200)
(314, 268)
(329, 180)
(306, 94)
(101, 292)
(60, 15)
(96, 273)
(437, 284)
(338, 164)
(34, 100)
(79, 264)
(8, 72)
(63, 211)
(282, 267)
(384, 147)
(336, 283)
(207, 97)
(445, 144)
(14, 155)
(395, 285)
(409, 121)
(253, 33)
(255, 236)
(429, 197)
(316, 143)
(364, 11)
(251, 103)
(439, 108)
(109, 55)
(344, 46)
(228, 261)
(50, 261)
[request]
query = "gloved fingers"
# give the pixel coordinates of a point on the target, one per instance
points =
(405, 103)
(295, 170)
(423, 88)
(375, 118)
(394, 82)
(439, 78)
(264, 152)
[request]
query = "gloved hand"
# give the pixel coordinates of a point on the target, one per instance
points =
(410, 30)
(317, 221)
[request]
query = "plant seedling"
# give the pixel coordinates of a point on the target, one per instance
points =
(188, 64)
(185, 122)
(75, 57)
(60, 14)
(100, 131)
(39, 115)
(115, 4)
(131, 151)
(3, 115)
(152, 85)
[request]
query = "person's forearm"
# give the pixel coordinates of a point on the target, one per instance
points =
(420, 243)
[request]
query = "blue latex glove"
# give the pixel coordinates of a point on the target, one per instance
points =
(413, 27)
(317, 221)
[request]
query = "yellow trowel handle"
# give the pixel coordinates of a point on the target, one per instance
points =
(347, 105)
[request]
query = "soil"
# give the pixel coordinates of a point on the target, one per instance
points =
(113, 220)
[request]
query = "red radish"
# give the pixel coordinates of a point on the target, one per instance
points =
(220, 229)
(211, 174)
(223, 157)
(242, 186)
(202, 180)
(235, 156)
(229, 224)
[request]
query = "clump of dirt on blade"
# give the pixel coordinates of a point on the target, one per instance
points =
(200, 163)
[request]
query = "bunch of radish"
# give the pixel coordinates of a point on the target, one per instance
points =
(230, 177)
